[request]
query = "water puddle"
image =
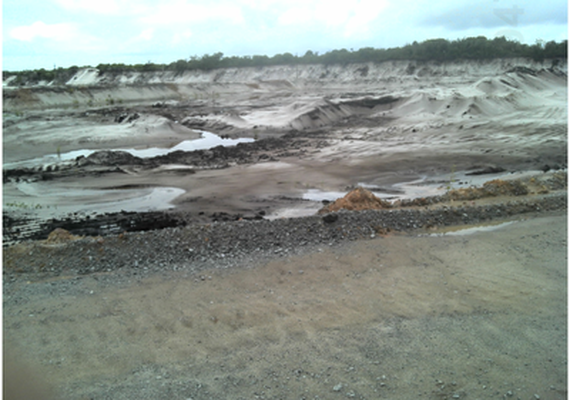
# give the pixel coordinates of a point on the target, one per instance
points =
(52, 200)
(304, 210)
(422, 187)
(417, 189)
(207, 141)
(462, 231)
(399, 191)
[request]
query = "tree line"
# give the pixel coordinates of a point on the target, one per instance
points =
(474, 48)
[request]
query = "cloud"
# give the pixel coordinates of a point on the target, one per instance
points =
(102, 7)
(346, 18)
(326, 13)
(39, 29)
(365, 14)
(181, 37)
(473, 16)
(495, 15)
(54, 39)
(182, 11)
(147, 34)
(295, 16)
(333, 13)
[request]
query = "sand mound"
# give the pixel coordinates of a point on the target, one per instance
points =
(318, 115)
(60, 235)
(496, 187)
(357, 199)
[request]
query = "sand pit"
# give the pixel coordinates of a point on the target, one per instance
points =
(210, 274)
(386, 130)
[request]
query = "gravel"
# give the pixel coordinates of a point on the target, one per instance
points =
(226, 244)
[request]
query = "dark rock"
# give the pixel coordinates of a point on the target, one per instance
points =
(487, 170)
(107, 157)
(120, 118)
(133, 117)
(330, 218)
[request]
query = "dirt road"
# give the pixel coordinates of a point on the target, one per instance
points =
(475, 316)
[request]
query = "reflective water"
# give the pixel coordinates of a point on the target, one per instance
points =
(207, 141)
(455, 231)
(52, 199)
(405, 190)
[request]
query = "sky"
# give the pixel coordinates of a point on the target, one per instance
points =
(62, 33)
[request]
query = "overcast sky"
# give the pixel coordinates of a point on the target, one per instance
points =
(62, 33)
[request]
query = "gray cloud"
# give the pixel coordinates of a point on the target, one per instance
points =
(495, 14)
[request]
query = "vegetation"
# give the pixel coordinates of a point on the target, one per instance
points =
(474, 48)
(59, 75)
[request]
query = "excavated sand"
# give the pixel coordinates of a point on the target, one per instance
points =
(294, 308)
(356, 200)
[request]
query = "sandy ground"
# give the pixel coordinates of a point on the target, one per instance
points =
(406, 316)
(44, 132)
(379, 130)
(480, 315)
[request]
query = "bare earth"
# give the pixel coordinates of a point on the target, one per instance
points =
(478, 316)
(433, 312)
(405, 129)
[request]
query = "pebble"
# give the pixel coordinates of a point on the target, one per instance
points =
(183, 246)
(338, 387)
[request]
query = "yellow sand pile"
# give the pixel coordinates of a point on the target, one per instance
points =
(60, 235)
(357, 199)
